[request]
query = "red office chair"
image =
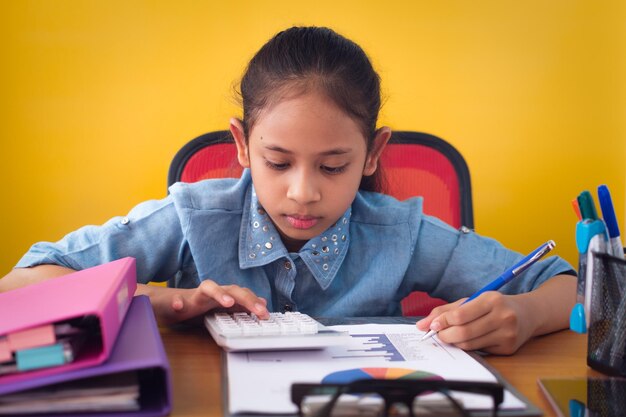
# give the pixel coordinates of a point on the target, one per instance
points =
(414, 164)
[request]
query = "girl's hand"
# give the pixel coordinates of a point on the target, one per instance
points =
(499, 323)
(172, 305)
(492, 322)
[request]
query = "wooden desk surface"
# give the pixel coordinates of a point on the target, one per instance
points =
(196, 368)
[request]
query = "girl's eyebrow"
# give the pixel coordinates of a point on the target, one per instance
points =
(336, 151)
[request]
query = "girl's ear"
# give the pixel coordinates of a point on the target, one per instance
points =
(236, 129)
(380, 141)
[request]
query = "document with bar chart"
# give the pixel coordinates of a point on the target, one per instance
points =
(260, 382)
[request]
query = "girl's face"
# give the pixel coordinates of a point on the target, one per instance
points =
(306, 157)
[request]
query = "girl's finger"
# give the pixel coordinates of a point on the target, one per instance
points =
(177, 303)
(229, 295)
(469, 312)
(469, 330)
(210, 291)
(485, 342)
(248, 300)
(426, 323)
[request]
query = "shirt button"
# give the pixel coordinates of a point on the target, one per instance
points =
(125, 221)
(465, 229)
(287, 265)
(288, 307)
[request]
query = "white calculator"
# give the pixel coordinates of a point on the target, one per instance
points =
(282, 331)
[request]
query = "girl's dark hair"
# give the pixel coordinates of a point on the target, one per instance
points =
(301, 59)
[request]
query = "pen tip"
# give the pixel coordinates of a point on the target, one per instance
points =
(427, 335)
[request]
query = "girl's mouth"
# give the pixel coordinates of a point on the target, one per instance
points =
(302, 222)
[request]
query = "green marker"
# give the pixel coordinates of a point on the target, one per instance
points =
(587, 206)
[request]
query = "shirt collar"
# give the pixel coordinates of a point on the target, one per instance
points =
(260, 243)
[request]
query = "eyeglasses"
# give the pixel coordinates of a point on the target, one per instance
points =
(397, 397)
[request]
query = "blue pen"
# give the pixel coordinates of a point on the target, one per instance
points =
(509, 274)
(608, 213)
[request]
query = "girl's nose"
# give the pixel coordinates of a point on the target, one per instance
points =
(303, 188)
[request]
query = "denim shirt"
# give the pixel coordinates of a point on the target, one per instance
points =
(375, 255)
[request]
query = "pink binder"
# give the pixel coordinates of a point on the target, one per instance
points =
(104, 292)
(138, 348)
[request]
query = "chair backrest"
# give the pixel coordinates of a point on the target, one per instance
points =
(416, 163)
(212, 155)
(413, 163)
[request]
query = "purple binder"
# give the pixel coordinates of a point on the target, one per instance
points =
(138, 347)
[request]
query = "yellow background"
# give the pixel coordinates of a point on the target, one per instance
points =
(97, 97)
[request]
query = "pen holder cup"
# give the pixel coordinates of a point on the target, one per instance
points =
(606, 347)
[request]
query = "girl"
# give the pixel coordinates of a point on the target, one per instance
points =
(304, 228)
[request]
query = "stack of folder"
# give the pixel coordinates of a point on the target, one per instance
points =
(82, 345)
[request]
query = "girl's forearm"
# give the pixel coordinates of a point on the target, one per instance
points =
(21, 277)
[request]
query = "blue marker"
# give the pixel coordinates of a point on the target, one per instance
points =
(590, 237)
(509, 274)
(608, 213)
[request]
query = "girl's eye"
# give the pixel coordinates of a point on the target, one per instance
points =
(334, 170)
(275, 166)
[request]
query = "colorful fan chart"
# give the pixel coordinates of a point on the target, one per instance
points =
(349, 375)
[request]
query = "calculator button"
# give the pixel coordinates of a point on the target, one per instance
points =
(231, 330)
(251, 329)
